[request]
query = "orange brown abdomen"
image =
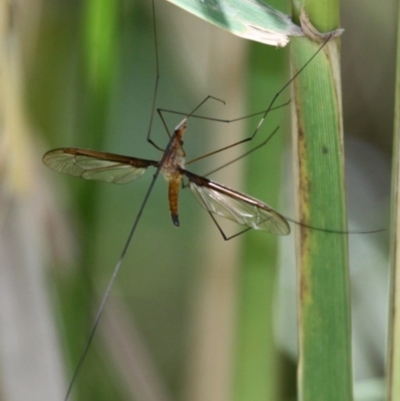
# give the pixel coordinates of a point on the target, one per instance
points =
(173, 196)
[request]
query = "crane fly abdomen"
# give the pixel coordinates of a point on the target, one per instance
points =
(173, 197)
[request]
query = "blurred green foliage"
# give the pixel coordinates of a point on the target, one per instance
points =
(93, 86)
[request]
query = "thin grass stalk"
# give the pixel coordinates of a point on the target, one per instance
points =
(393, 353)
(325, 369)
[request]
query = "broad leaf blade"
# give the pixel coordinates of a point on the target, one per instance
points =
(250, 19)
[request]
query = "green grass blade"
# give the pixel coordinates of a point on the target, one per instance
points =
(325, 371)
(249, 19)
(393, 357)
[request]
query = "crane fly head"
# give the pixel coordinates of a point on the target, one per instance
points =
(180, 130)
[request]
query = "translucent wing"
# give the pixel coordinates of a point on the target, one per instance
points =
(92, 165)
(236, 206)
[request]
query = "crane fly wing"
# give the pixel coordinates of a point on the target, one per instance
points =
(93, 165)
(236, 206)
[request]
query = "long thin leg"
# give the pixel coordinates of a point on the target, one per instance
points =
(263, 113)
(241, 156)
(153, 105)
(222, 231)
(208, 97)
(160, 112)
(297, 223)
(118, 265)
(222, 120)
(115, 273)
(226, 122)
(155, 92)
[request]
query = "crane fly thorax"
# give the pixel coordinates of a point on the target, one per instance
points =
(174, 161)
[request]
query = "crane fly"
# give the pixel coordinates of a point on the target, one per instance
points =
(214, 197)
